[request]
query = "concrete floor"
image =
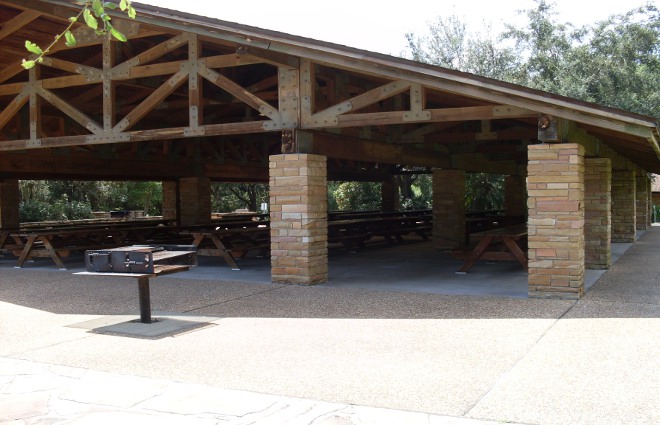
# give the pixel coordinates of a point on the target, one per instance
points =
(411, 267)
(388, 341)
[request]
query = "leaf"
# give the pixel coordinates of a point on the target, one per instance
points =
(27, 64)
(131, 12)
(98, 8)
(109, 5)
(70, 39)
(33, 48)
(123, 5)
(116, 34)
(105, 17)
(90, 20)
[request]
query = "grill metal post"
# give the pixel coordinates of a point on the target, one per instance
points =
(145, 300)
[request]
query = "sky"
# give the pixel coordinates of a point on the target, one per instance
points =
(381, 26)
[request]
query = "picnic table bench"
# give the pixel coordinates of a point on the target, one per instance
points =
(498, 244)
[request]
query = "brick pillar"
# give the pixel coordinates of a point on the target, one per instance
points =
(298, 218)
(598, 215)
(515, 195)
(555, 187)
(448, 209)
(389, 196)
(642, 199)
(194, 201)
(9, 204)
(623, 206)
(169, 200)
(649, 190)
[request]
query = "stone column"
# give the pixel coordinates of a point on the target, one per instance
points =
(624, 212)
(642, 200)
(555, 188)
(389, 196)
(598, 215)
(515, 195)
(194, 201)
(298, 218)
(448, 209)
(169, 200)
(9, 204)
(649, 218)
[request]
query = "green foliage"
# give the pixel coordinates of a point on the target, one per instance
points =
(228, 197)
(361, 196)
(70, 200)
(92, 12)
(484, 192)
(615, 62)
(62, 209)
(415, 191)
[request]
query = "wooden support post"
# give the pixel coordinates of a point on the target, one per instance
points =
(195, 103)
(35, 108)
(109, 116)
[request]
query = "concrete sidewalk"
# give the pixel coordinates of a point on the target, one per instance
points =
(264, 353)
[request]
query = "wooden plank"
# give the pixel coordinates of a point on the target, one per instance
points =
(307, 91)
(330, 115)
(17, 23)
(356, 149)
(10, 110)
(11, 71)
(35, 105)
(266, 56)
(77, 115)
(195, 103)
(231, 60)
(109, 103)
(156, 97)
(289, 95)
(152, 54)
(237, 91)
(9, 89)
(75, 68)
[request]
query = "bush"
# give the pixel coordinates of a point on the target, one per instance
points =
(34, 210)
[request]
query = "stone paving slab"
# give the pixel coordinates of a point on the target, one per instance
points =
(40, 393)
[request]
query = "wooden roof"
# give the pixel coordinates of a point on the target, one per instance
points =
(217, 97)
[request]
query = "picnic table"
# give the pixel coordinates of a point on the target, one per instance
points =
(60, 241)
(498, 244)
(231, 242)
(356, 231)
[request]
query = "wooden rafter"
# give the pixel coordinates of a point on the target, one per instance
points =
(10, 110)
(17, 23)
(331, 116)
(75, 114)
(237, 91)
(148, 104)
(76, 68)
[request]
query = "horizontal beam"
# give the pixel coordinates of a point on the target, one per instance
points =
(356, 149)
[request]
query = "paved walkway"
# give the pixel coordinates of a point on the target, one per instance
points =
(263, 353)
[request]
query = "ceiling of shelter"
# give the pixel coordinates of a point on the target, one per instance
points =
(188, 95)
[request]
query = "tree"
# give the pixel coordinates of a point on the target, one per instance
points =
(361, 196)
(228, 197)
(615, 62)
(449, 44)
